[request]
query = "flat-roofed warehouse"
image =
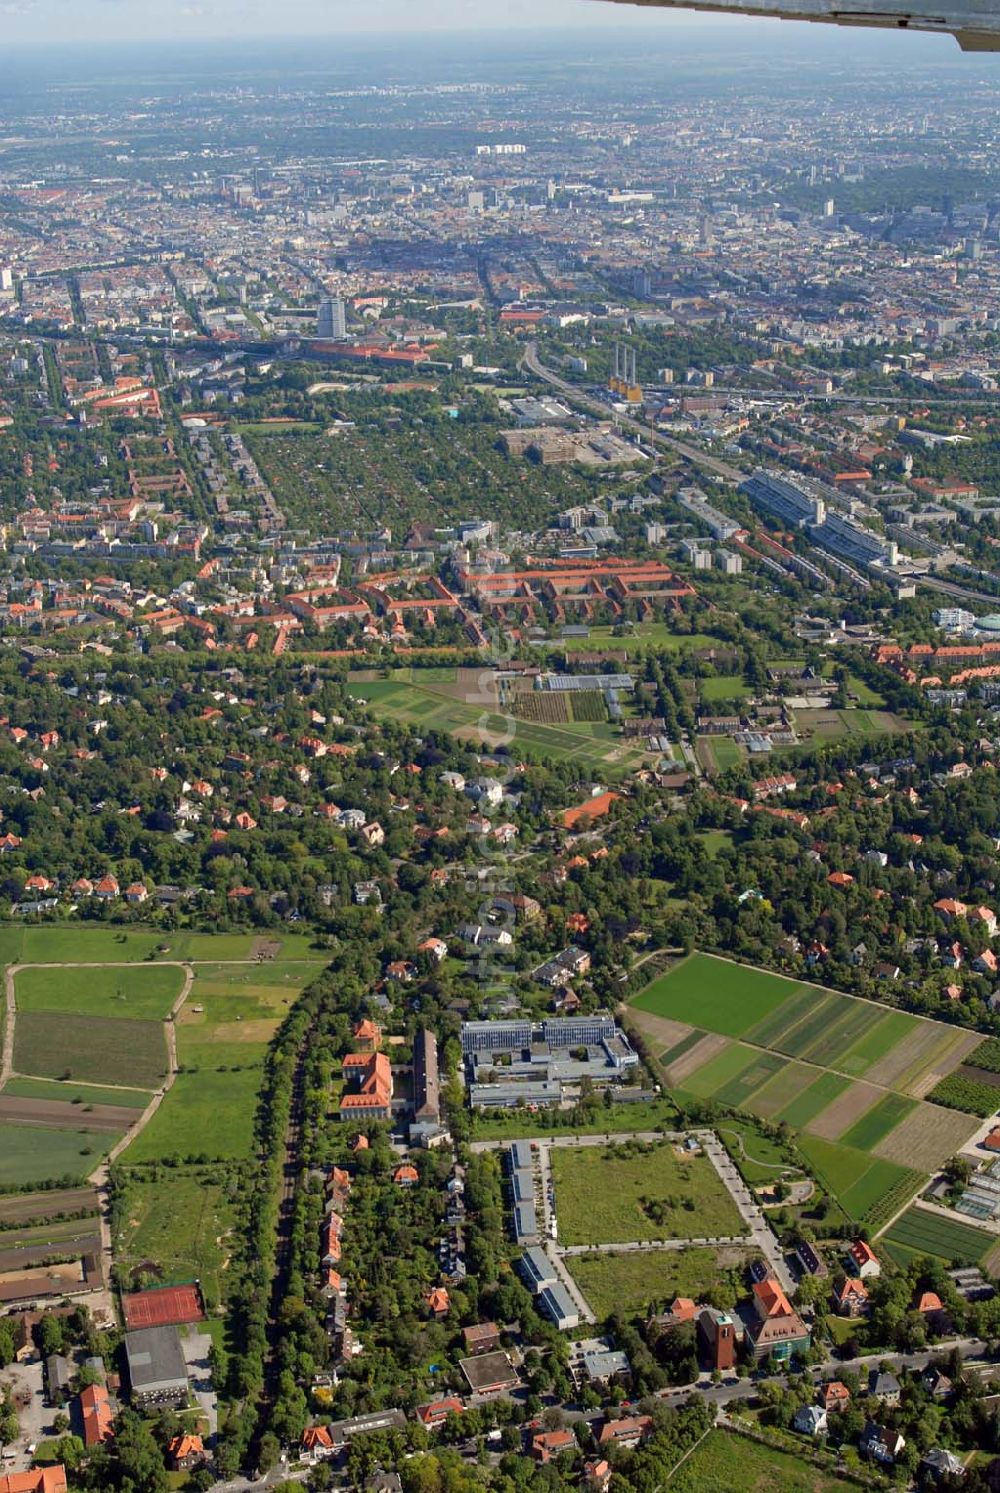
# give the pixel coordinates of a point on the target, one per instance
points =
(156, 1368)
(490, 1373)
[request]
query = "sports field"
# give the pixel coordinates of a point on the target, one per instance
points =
(850, 1074)
(634, 1192)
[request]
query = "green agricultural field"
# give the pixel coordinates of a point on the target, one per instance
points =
(715, 994)
(813, 1100)
(177, 1224)
(223, 1030)
(644, 1192)
(725, 1066)
(739, 1090)
(432, 708)
(726, 1462)
(804, 1021)
(850, 1025)
(680, 1048)
(80, 944)
(921, 1233)
(785, 1086)
(205, 1114)
(878, 1122)
(637, 1282)
(75, 1093)
(863, 1186)
(812, 1028)
(880, 1039)
(91, 1049)
(801, 1003)
(33, 1156)
(144, 992)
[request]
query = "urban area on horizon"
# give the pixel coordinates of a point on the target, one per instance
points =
(499, 750)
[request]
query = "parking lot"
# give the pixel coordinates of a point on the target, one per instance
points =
(34, 1416)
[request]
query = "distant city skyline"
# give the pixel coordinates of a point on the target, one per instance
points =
(56, 21)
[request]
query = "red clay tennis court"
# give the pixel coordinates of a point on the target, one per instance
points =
(164, 1306)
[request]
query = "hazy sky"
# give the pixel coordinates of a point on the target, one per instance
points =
(96, 20)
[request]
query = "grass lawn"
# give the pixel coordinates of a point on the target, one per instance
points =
(923, 1233)
(726, 1462)
(178, 1224)
(646, 634)
(231, 993)
(76, 944)
(205, 1114)
(636, 1282)
(73, 1093)
(723, 687)
(30, 1155)
(713, 993)
(864, 692)
(96, 1049)
(724, 751)
(715, 840)
(761, 1159)
(619, 1119)
(650, 1192)
(143, 993)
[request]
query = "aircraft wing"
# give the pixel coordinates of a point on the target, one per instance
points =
(975, 24)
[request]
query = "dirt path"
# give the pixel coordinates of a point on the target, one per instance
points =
(7, 1055)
